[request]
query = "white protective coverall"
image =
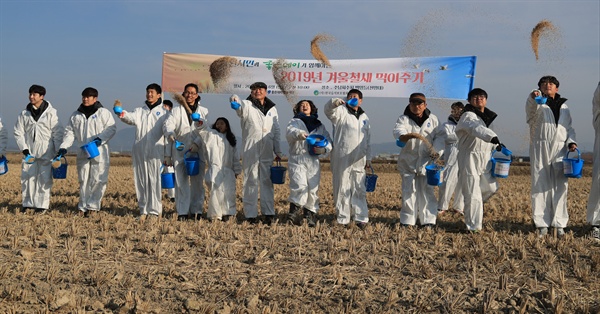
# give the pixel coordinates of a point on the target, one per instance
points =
(446, 131)
(3, 139)
(593, 207)
(351, 152)
(474, 161)
(223, 165)
(418, 197)
(92, 173)
(260, 135)
(42, 138)
(548, 146)
(149, 151)
(188, 189)
(304, 168)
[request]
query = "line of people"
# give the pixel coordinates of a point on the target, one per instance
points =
(464, 143)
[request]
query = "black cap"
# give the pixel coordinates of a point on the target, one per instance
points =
(258, 85)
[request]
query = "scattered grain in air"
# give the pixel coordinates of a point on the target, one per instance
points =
(315, 48)
(543, 29)
(220, 70)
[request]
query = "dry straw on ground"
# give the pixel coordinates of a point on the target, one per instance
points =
(111, 263)
(220, 70)
(315, 47)
(286, 87)
(544, 29)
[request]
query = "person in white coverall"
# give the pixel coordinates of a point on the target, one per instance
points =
(551, 134)
(38, 133)
(168, 105)
(476, 140)
(90, 123)
(149, 150)
(179, 126)
(3, 139)
(304, 166)
(418, 197)
(260, 135)
(449, 186)
(224, 166)
(593, 206)
(350, 156)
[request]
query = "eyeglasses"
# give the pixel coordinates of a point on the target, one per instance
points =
(478, 97)
(190, 94)
(416, 102)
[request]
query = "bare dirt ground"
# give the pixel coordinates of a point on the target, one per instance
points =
(111, 263)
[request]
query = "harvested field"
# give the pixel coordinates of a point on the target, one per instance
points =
(111, 263)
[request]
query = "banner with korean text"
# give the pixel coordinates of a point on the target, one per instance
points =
(436, 77)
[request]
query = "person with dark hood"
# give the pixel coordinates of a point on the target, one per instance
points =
(38, 134)
(150, 150)
(551, 136)
(260, 136)
(303, 163)
(449, 187)
(476, 140)
(416, 128)
(91, 122)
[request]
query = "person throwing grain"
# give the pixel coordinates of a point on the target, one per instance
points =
(350, 156)
(476, 141)
(415, 127)
(551, 135)
(593, 207)
(260, 135)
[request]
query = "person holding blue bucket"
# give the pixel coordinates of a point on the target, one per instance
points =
(551, 136)
(350, 157)
(476, 141)
(3, 143)
(415, 127)
(90, 124)
(308, 141)
(593, 206)
(260, 135)
(450, 186)
(38, 133)
(179, 128)
(150, 150)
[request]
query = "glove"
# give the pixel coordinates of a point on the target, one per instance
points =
(572, 147)
(434, 156)
(26, 152)
(277, 157)
(319, 150)
(194, 148)
(234, 98)
(171, 138)
(495, 140)
(168, 161)
(337, 102)
(97, 141)
(61, 153)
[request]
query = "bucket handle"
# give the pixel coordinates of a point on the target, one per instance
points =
(185, 155)
(578, 154)
(494, 151)
(278, 163)
(61, 158)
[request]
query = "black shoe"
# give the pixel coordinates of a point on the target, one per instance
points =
(172, 200)
(293, 214)
(40, 211)
(197, 216)
(225, 218)
(310, 217)
(269, 219)
(361, 225)
(182, 217)
(252, 221)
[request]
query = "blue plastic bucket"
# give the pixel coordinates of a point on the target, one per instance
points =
(60, 172)
(573, 167)
(91, 150)
(192, 164)
(434, 174)
(3, 165)
(167, 179)
(278, 174)
(399, 143)
(501, 166)
(314, 141)
(371, 181)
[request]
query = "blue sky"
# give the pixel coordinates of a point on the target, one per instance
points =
(117, 47)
